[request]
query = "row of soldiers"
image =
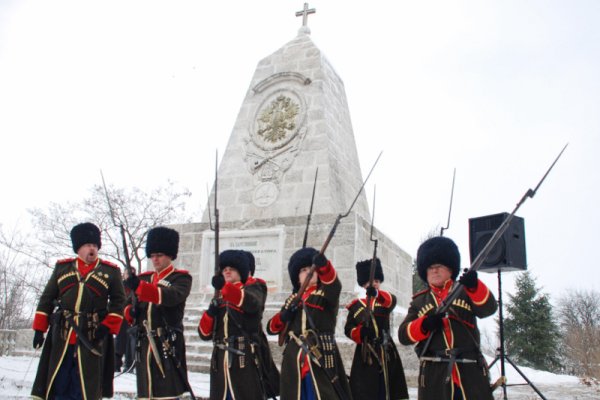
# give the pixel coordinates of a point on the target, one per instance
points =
(84, 303)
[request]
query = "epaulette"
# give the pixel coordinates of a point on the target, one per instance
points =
(110, 264)
(352, 303)
(66, 260)
(254, 280)
(182, 271)
(420, 293)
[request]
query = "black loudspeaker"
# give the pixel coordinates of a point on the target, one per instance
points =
(508, 254)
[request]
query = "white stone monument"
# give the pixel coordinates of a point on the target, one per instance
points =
(293, 120)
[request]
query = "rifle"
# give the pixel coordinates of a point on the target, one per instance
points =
(129, 270)
(369, 309)
(284, 332)
(449, 208)
(215, 228)
(487, 249)
(312, 200)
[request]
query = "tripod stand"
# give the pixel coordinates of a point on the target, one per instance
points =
(500, 351)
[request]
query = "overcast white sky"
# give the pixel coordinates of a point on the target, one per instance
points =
(147, 90)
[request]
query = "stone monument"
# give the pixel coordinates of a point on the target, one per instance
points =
(293, 120)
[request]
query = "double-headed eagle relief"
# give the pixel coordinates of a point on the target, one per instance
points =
(276, 132)
(278, 119)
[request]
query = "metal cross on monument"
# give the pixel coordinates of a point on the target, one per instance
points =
(304, 13)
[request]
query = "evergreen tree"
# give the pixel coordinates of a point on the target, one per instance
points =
(531, 334)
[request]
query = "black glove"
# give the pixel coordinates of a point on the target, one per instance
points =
(218, 282)
(432, 322)
(213, 308)
(372, 292)
(469, 279)
(367, 332)
(132, 282)
(319, 260)
(38, 339)
(101, 332)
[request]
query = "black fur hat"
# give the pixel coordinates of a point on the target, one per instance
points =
(363, 268)
(300, 259)
(438, 250)
(237, 259)
(162, 240)
(85, 233)
(251, 261)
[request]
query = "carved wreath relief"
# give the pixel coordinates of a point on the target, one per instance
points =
(275, 135)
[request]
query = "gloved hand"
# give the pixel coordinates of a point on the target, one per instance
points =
(218, 281)
(469, 279)
(38, 339)
(319, 260)
(432, 322)
(367, 332)
(213, 308)
(101, 332)
(132, 282)
(372, 292)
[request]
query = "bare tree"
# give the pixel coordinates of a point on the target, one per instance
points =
(133, 209)
(579, 315)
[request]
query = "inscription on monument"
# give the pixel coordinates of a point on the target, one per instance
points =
(265, 244)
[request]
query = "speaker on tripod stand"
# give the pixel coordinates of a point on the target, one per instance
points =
(508, 254)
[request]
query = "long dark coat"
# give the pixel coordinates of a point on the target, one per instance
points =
(270, 373)
(321, 304)
(99, 297)
(366, 377)
(236, 327)
(460, 332)
(161, 306)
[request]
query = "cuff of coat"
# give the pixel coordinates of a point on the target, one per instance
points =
(327, 273)
(113, 323)
(384, 298)
(233, 294)
(148, 292)
(40, 321)
(415, 331)
(355, 334)
(275, 325)
(479, 295)
(205, 326)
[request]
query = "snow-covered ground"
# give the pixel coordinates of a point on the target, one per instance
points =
(17, 374)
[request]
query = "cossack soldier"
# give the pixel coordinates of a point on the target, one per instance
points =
(158, 314)
(312, 367)
(377, 372)
(232, 321)
(81, 307)
(452, 366)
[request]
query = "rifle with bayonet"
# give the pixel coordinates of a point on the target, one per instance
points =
(368, 321)
(312, 200)
(487, 249)
(284, 332)
(217, 295)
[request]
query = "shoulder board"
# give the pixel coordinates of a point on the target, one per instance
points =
(352, 303)
(110, 264)
(253, 280)
(182, 271)
(420, 293)
(66, 260)
(146, 273)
